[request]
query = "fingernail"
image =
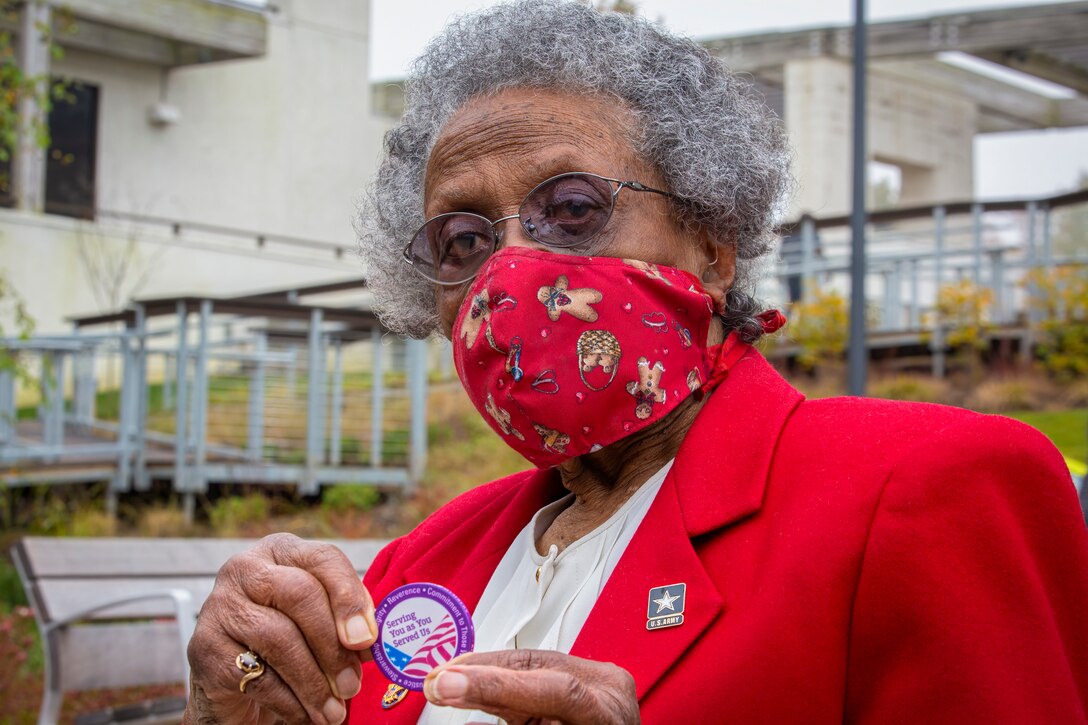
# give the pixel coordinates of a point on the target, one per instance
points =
(357, 630)
(333, 711)
(450, 685)
(347, 682)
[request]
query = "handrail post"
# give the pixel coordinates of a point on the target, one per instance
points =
(936, 344)
(142, 481)
(377, 396)
(976, 241)
(915, 295)
(53, 401)
(181, 420)
(808, 256)
(125, 425)
(255, 422)
(7, 406)
(337, 404)
(997, 284)
(198, 475)
(417, 389)
(1027, 342)
(314, 418)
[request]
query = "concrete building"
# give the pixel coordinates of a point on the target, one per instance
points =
(934, 84)
(212, 148)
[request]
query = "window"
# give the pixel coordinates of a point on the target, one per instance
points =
(70, 159)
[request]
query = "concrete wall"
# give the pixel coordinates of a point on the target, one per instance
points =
(925, 131)
(277, 145)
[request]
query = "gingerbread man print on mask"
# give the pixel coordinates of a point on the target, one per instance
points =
(478, 316)
(551, 439)
(651, 270)
(502, 418)
(647, 389)
(577, 303)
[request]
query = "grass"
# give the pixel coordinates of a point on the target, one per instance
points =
(1068, 429)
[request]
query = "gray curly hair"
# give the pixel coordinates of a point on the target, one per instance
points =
(719, 148)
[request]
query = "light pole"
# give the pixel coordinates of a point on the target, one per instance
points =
(858, 354)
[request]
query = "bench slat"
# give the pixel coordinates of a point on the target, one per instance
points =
(112, 656)
(49, 557)
(63, 598)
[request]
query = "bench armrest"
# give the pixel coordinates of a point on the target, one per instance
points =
(183, 610)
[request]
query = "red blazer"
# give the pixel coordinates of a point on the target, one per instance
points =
(846, 559)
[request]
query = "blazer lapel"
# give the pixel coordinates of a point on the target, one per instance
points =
(660, 554)
(719, 478)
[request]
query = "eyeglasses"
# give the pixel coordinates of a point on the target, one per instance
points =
(564, 211)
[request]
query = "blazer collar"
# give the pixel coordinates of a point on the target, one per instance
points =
(722, 467)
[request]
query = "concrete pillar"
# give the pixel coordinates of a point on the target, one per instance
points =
(28, 164)
(925, 131)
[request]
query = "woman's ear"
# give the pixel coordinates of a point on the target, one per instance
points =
(720, 270)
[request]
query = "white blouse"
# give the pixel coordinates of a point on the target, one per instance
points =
(536, 601)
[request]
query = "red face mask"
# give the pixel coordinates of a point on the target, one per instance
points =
(563, 354)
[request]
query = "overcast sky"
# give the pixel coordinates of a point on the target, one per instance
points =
(1006, 165)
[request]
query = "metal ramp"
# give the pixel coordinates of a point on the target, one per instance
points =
(201, 391)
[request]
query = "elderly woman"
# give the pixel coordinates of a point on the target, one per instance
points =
(578, 201)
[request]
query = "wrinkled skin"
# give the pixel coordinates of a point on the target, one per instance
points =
(292, 601)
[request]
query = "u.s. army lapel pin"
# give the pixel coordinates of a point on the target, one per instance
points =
(666, 606)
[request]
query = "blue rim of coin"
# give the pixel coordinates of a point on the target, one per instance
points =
(420, 626)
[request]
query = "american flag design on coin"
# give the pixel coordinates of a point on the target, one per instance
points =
(420, 626)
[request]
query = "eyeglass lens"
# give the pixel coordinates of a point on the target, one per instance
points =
(564, 211)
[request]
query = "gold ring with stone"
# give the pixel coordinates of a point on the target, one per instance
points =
(251, 664)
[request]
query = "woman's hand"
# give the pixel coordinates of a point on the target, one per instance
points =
(301, 608)
(533, 686)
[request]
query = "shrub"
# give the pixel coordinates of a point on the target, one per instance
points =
(163, 521)
(11, 589)
(92, 522)
(238, 515)
(910, 387)
(350, 496)
(1003, 395)
(1059, 299)
(964, 311)
(819, 325)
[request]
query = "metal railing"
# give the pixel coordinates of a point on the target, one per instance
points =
(913, 253)
(214, 398)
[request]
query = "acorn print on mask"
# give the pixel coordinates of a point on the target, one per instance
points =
(647, 389)
(598, 349)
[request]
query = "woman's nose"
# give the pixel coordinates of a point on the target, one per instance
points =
(513, 233)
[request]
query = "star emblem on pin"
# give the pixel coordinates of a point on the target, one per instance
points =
(666, 606)
(665, 602)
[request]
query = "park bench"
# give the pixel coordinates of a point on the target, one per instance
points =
(117, 613)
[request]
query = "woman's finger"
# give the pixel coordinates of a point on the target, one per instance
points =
(349, 600)
(567, 695)
(277, 640)
(301, 597)
(216, 691)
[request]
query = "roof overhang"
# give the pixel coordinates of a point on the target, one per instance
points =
(167, 33)
(1047, 42)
